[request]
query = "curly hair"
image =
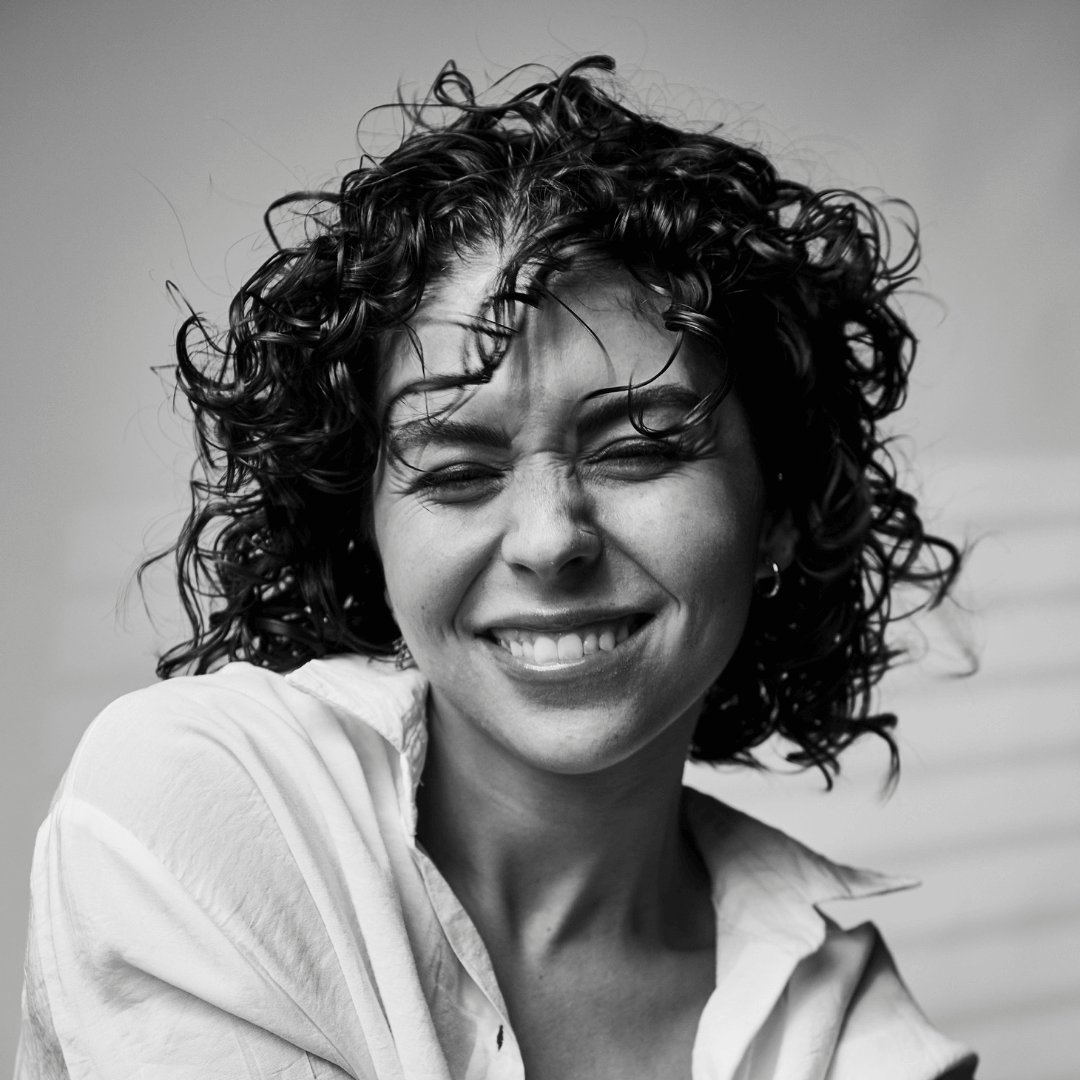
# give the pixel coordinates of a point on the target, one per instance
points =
(791, 289)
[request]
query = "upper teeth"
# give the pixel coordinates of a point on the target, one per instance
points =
(551, 648)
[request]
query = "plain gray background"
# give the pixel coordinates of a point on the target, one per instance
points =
(140, 142)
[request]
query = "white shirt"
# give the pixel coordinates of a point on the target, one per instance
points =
(228, 885)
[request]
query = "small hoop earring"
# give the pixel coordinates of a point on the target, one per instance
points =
(768, 587)
(402, 657)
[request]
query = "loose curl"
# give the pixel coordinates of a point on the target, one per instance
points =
(791, 290)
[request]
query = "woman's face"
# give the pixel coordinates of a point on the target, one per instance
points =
(570, 587)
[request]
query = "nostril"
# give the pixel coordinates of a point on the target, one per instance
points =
(550, 549)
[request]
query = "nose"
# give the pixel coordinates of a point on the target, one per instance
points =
(549, 531)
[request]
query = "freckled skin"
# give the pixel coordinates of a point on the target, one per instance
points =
(551, 800)
(683, 546)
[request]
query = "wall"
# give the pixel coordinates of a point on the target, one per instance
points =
(141, 142)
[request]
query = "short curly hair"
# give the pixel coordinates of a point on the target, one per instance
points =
(791, 289)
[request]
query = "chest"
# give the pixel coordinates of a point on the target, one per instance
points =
(610, 1018)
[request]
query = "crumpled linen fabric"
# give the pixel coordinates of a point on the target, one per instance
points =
(228, 885)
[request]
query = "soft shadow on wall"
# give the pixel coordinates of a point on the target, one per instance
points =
(141, 144)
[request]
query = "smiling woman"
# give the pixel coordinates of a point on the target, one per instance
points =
(548, 456)
(570, 585)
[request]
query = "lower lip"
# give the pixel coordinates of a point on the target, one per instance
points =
(593, 663)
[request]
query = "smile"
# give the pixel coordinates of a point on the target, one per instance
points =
(544, 648)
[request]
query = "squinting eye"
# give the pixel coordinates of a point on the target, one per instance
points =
(456, 483)
(642, 448)
(639, 456)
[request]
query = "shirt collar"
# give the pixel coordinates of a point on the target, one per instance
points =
(392, 702)
(766, 886)
(769, 886)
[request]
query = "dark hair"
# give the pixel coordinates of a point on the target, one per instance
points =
(792, 289)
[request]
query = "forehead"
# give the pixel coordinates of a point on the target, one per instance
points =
(593, 332)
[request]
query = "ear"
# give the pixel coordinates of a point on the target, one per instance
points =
(777, 544)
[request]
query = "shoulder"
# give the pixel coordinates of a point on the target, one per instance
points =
(212, 859)
(234, 694)
(222, 791)
(882, 1031)
(240, 755)
(836, 998)
(155, 737)
(846, 1011)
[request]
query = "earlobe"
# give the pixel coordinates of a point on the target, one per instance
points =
(779, 539)
(776, 552)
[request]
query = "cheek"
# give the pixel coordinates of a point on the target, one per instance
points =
(399, 537)
(698, 538)
(429, 561)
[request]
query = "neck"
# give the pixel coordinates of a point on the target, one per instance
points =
(541, 859)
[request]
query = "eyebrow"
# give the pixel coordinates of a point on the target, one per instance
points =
(613, 407)
(610, 408)
(428, 430)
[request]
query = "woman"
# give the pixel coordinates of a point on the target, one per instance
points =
(548, 455)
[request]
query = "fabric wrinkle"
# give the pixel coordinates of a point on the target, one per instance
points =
(274, 914)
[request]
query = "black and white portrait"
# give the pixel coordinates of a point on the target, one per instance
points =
(540, 543)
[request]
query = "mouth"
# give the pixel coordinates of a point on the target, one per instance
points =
(544, 648)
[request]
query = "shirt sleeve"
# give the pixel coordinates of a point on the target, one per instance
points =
(126, 976)
(173, 930)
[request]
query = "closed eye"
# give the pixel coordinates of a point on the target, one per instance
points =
(460, 482)
(643, 447)
(638, 458)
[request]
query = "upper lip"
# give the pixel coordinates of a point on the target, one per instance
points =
(559, 621)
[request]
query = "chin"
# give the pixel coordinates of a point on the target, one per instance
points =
(573, 719)
(580, 742)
